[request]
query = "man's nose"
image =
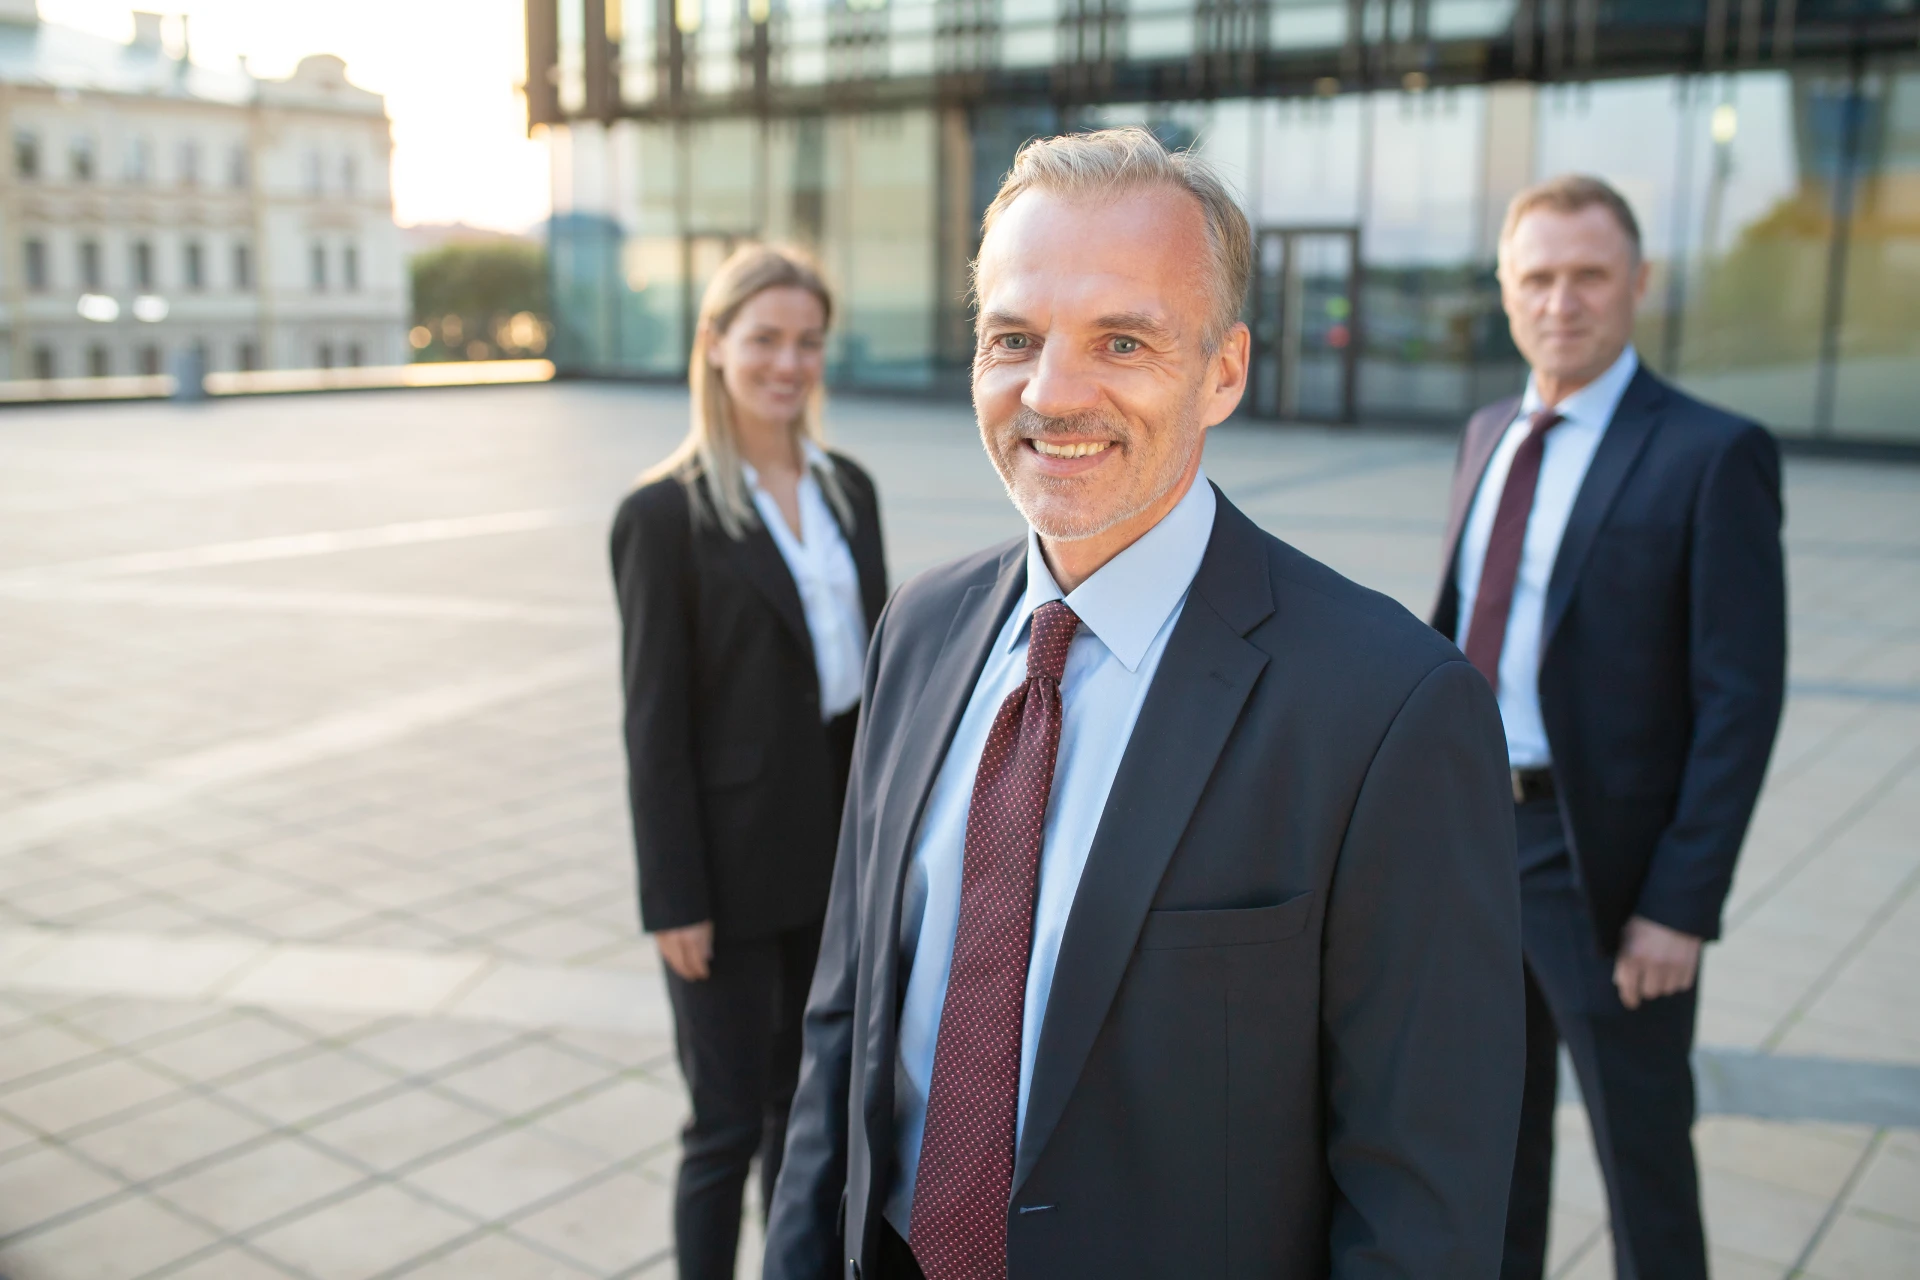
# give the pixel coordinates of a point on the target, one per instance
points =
(1563, 299)
(1062, 383)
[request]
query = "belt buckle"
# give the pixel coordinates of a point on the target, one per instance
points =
(1519, 786)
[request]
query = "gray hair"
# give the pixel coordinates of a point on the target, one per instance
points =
(1111, 162)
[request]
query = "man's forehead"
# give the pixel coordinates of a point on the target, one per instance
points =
(1136, 255)
(1554, 234)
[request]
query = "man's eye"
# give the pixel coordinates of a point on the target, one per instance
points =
(1015, 341)
(1125, 346)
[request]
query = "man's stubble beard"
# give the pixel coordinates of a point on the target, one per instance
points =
(1047, 519)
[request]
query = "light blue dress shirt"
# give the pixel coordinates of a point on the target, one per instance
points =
(826, 578)
(1563, 467)
(1126, 610)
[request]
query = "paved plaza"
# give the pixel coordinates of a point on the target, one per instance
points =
(318, 951)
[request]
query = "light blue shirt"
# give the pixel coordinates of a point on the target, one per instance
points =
(1563, 467)
(1126, 610)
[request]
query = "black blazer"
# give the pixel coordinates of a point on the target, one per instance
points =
(1664, 654)
(736, 802)
(1285, 1031)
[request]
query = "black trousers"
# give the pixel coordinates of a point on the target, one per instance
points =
(1635, 1078)
(893, 1260)
(738, 1036)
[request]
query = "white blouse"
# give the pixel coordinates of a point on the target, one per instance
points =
(829, 584)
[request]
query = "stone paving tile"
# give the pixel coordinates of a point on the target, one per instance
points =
(403, 1129)
(90, 1092)
(379, 1229)
(123, 1240)
(616, 1224)
(45, 1182)
(159, 1141)
(495, 1257)
(267, 1181)
(507, 1173)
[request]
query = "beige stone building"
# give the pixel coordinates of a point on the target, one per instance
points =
(153, 208)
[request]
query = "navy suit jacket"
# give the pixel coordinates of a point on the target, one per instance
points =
(1663, 656)
(1285, 1030)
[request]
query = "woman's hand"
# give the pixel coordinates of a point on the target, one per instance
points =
(688, 951)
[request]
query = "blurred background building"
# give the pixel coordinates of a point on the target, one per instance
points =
(152, 206)
(1771, 148)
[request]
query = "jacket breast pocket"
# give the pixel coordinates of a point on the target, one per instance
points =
(1232, 927)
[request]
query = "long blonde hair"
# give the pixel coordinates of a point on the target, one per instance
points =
(712, 446)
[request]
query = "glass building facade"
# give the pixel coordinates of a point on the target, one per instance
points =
(1770, 148)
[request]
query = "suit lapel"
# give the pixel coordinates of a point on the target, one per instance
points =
(1626, 437)
(869, 561)
(760, 561)
(923, 741)
(1203, 681)
(1482, 437)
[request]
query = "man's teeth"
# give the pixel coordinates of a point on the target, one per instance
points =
(1080, 450)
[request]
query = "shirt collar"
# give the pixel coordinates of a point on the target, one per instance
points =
(1130, 597)
(810, 453)
(1593, 404)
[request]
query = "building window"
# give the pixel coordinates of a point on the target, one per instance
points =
(149, 360)
(142, 266)
(316, 175)
(242, 266)
(26, 156)
(239, 167)
(323, 355)
(202, 355)
(317, 269)
(90, 265)
(193, 266)
(350, 267)
(355, 356)
(36, 264)
(81, 158)
(43, 362)
(99, 365)
(349, 174)
(189, 164)
(139, 160)
(246, 357)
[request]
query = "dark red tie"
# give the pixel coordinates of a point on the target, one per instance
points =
(1487, 633)
(958, 1228)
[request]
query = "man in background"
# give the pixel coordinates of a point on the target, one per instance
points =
(1614, 570)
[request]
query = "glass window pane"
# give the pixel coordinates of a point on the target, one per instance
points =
(1877, 379)
(1754, 276)
(1426, 280)
(881, 251)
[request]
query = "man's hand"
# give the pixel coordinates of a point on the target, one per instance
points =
(688, 951)
(1654, 961)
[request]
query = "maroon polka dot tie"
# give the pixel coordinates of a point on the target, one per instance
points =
(959, 1224)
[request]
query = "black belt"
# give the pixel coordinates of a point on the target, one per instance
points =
(1532, 784)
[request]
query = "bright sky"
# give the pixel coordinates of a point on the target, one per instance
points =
(447, 67)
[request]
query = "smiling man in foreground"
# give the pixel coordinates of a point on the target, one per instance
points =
(1175, 927)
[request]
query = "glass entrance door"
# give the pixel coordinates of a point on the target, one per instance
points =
(1304, 323)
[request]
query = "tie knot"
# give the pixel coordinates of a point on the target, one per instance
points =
(1544, 420)
(1052, 631)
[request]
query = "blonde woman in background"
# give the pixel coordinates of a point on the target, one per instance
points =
(749, 570)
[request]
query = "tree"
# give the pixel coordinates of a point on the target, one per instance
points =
(483, 301)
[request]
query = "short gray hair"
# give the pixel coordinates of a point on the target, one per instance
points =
(1110, 162)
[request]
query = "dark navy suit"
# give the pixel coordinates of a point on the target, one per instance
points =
(1284, 1036)
(1662, 673)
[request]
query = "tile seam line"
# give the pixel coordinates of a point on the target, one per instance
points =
(303, 545)
(1826, 839)
(1824, 981)
(1798, 1267)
